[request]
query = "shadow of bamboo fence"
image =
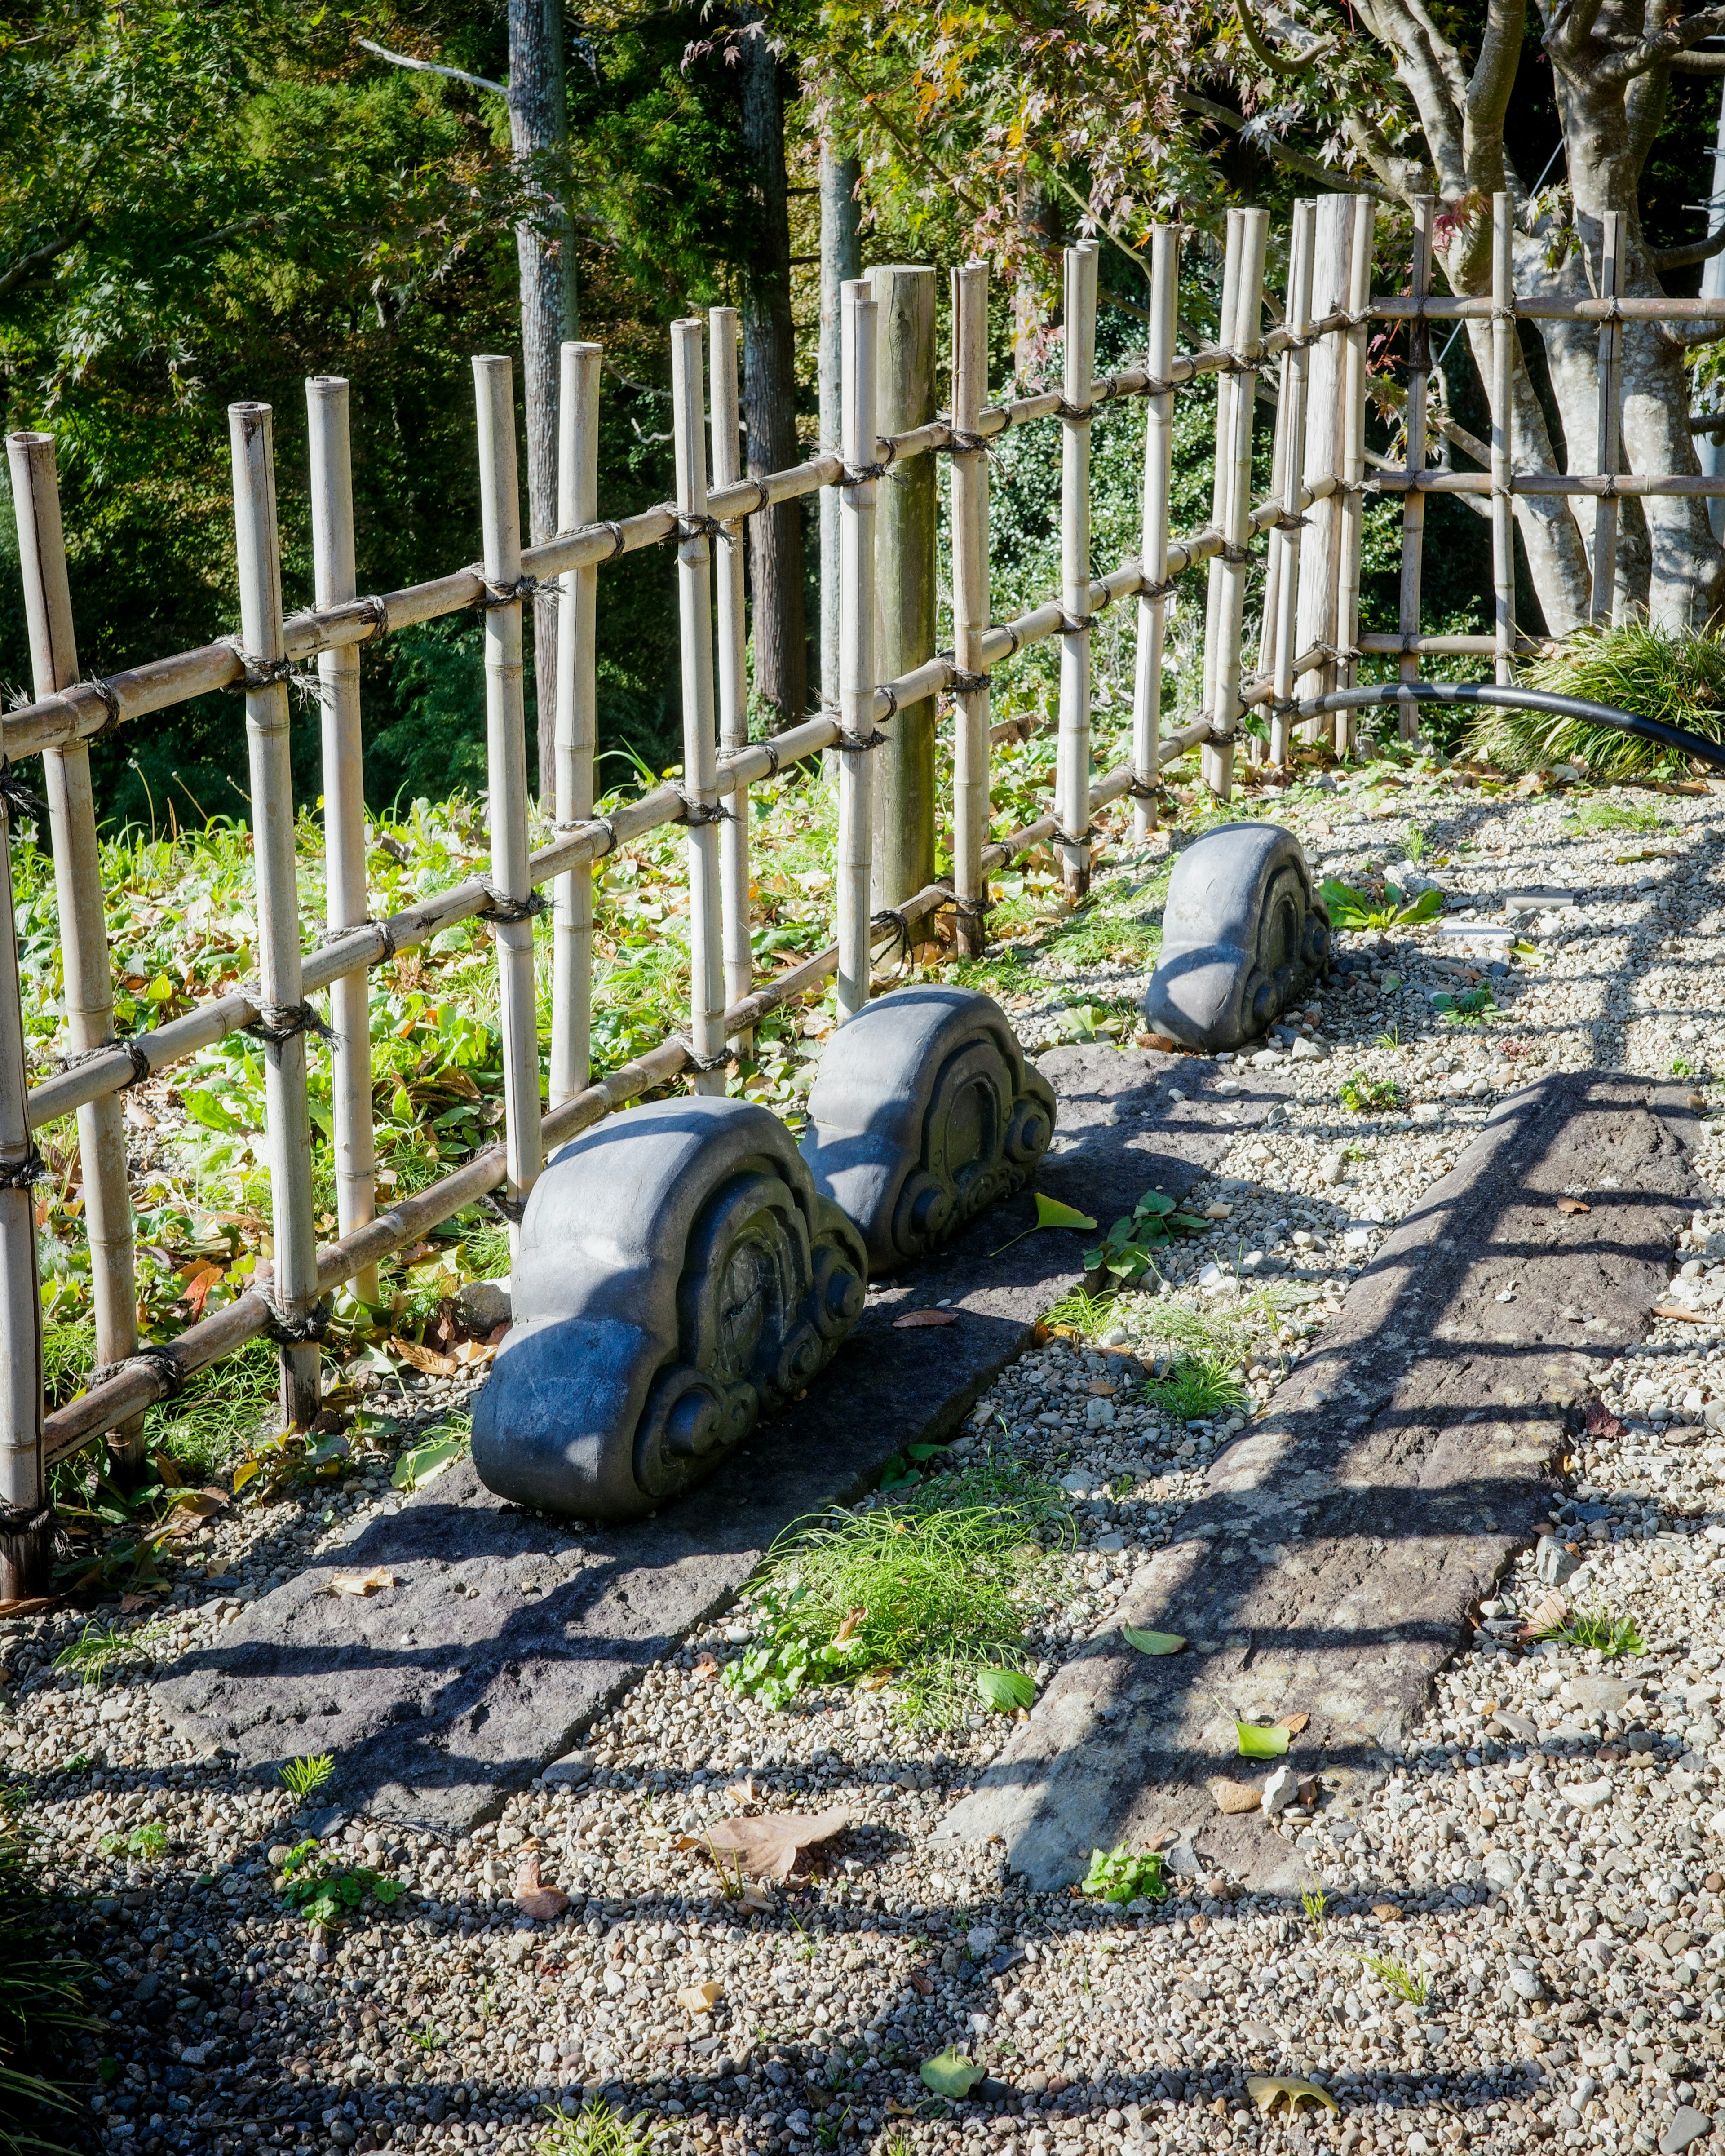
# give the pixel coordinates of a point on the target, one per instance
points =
(1314, 364)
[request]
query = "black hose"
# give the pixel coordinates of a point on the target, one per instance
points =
(1521, 700)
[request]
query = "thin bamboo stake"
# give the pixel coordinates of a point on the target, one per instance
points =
(1246, 335)
(335, 579)
(694, 600)
(726, 425)
(1610, 420)
(577, 722)
(1296, 376)
(284, 1011)
(856, 648)
(970, 604)
(841, 259)
(506, 778)
(26, 1518)
(1414, 500)
(1222, 465)
(1503, 362)
(1159, 468)
(1320, 551)
(1072, 767)
(86, 963)
(1351, 525)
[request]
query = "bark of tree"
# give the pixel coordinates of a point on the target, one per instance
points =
(769, 385)
(539, 136)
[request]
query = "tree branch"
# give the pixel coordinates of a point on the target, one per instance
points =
(1274, 61)
(1698, 62)
(15, 272)
(431, 67)
(1279, 153)
(1652, 52)
(1494, 73)
(1697, 250)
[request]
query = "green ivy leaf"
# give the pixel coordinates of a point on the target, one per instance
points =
(1006, 1691)
(1257, 1743)
(1152, 1643)
(950, 2073)
(1051, 1213)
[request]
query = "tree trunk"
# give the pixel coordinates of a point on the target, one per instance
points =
(539, 132)
(769, 388)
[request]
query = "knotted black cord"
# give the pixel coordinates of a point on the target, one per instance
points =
(506, 911)
(276, 1023)
(22, 1174)
(288, 1330)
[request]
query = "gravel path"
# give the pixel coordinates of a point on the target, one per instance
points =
(1546, 1864)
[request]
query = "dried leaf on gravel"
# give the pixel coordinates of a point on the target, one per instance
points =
(1293, 1723)
(1688, 1316)
(1574, 1205)
(742, 1792)
(701, 1998)
(705, 1669)
(1266, 2090)
(424, 1358)
(361, 1584)
(543, 1904)
(913, 1318)
(757, 1898)
(1547, 1615)
(950, 2073)
(1232, 1796)
(769, 1847)
(29, 1605)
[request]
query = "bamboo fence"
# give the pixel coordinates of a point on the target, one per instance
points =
(1310, 644)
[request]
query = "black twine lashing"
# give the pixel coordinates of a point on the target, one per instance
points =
(109, 696)
(696, 813)
(289, 1328)
(277, 1024)
(693, 1059)
(502, 910)
(22, 1174)
(857, 744)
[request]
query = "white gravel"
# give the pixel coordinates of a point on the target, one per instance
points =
(1547, 1859)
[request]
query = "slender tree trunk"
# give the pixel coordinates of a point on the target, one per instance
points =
(769, 388)
(539, 129)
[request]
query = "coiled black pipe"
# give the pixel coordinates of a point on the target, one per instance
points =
(1522, 700)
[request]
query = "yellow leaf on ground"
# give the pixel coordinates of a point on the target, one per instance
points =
(701, 1998)
(1267, 2090)
(361, 1584)
(1386, 1912)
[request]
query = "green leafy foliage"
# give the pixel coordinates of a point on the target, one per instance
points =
(148, 1839)
(1472, 1007)
(1087, 1312)
(950, 2073)
(327, 1897)
(100, 1649)
(594, 2130)
(1593, 816)
(1256, 1742)
(1411, 1985)
(304, 1777)
(423, 1462)
(1152, 1643)
(1128, 1251)
(1391, 908)
(1598, 1627)
(1198, 1388)
(1677, 675)
(1369, 1097)
(1006, 1691)
(1123, 1874)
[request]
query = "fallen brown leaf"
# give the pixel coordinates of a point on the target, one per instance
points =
(925, 1984)
(1546, 1616)
(1688, 1316)
(705, 1669)
(137, 1602)
(1265, 2090)
(29, 1605)
(424, 1359)
(701, 1998)
(742, 1792)
(769, 1847)
(853, 1618)
(474, 1354)
(1233, 1796)
(753, 1896)
(911, 1317)
(1574, 1205)
(543, 1904)
(1293, 1723)
(361, 1584)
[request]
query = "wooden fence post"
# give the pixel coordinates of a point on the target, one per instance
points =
(695, 602)
(856, 649)
(576, 733)
(1321, 550)
(334, 579)
(85, 964)
(1503, 372)
(26, 1521)
(905, 520)
(1295, 373)
(1221, 466)
(1158, 467)
(970, 603)
(732, 657)
(840, 260)
(282, 1007)
(1246, 339)
(1414, 434)
(1350, 519)
(512, 916)
(1609, 444)
(1078, 365)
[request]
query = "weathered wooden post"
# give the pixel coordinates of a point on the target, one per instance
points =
(514, 901)
(334, 579)
(1072, 757)
(733, 653)
(1159, 466)
(970, 602)
(283, 1015)
(1321, 549)
(1503, 376)
(1297, 366)
(1351, 522)
(1608, 442)
(1414, 461)
(700, 755)
(576, 734)
(1245, 339)
(904, 519)
(856, 645)
(26, 1521)
(840, 260)
(85, 964)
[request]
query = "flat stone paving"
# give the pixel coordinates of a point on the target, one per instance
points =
(505, 1631)
(1343, 1540)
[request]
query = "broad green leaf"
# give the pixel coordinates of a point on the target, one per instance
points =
(1426, 907)
(1051, 1213)
(1152, 1643)
(1153, 1201)
(425, 1461)
(924, 1451)
(204, 1107)
(1006, 1691)
(1255, 1743)
(950, 2073)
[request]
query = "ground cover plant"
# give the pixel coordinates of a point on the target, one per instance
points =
(1677, 675)
(41, 2008)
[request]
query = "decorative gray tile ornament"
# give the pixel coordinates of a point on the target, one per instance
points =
(679, 1276)
(1244, 936)
(925, 1112)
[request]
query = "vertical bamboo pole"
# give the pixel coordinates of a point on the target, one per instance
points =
(1159, 466)
(1247, 340)
(1226, 385)
(26, 1521)
(334, 579)
(1609, 445)
(1413, 500)
(695, 606)
(856, 648)
(1351, 521)
(1072, 766)
(281, 999)
(1321, 549)
(905, 521)
(576, 733)
(970, 602)
(733, 643)
(840, 260)
(1296, 375)
(1503, 366)
(78, 889)
(506, 777)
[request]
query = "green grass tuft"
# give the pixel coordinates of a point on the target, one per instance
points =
(1615, 816)
(1369, 1096)
(1596, 1627)
(1198, 1388)
(1676, 675)
(595, 2130)
(40, 2006)
(1412, 1985)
